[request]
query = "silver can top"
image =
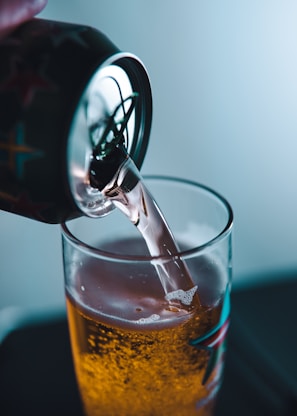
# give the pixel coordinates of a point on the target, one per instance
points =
(119, 93)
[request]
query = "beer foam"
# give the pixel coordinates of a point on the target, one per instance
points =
(153, 318)
(185, 296)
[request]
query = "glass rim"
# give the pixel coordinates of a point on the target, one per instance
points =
(147, 258)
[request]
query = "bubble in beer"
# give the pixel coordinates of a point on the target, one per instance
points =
(185, 296)
(153, 318)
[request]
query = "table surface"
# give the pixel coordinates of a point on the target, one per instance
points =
(37, 378)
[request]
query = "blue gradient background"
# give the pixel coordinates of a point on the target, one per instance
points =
(224, 80)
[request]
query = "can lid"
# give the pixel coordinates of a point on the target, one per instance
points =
(111, 92)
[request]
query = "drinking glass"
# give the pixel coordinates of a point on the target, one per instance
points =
(136, 350)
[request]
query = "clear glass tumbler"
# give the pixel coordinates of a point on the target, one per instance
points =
(134, 352)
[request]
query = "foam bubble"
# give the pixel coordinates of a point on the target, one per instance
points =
(185, 296)
(153, 318)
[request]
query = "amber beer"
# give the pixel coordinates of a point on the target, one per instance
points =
(142, 346)
(136, 355)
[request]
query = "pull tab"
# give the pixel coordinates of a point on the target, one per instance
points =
(115, 126)
(110, 143)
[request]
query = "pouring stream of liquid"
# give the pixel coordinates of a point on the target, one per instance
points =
(129, 194)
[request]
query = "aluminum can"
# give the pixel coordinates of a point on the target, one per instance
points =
(58, 81)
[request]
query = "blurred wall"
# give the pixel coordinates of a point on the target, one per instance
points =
(224, 83)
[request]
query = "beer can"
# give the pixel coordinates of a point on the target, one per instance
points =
(58, 81)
